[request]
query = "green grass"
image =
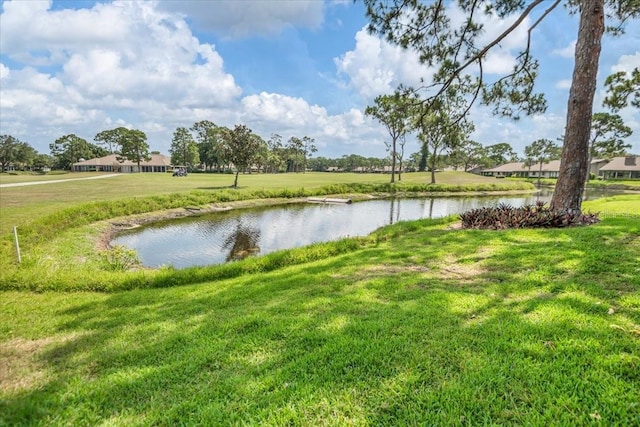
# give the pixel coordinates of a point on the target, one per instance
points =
(625, 205)
(417, 324)
(423, 326)
(21, 205)
(617, 184)
(623, 184)
(57, 223)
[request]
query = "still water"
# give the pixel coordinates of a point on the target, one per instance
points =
(225, 236)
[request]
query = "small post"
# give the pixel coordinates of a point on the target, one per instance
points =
(15, 236)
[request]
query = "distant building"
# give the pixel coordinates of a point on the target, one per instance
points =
(519, 169)
(156, 163)
(549, 170)
(622, 167)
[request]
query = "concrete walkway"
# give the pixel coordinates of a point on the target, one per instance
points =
(54, 181)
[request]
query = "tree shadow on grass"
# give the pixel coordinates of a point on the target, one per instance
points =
(326, 343)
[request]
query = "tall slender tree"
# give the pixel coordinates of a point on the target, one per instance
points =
(184, 150)
(276, 156)
(294, 151)
(133, 146)
(308, 148)
(393, 112)
(468, 155)
(109, 139)
(458, 55)
(239, 147)
(207, 137)
(437, 130)
(126, 144)
(541, 151)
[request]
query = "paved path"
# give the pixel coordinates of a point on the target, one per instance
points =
(53, 181)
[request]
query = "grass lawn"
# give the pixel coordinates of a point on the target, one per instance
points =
(418, 324)
(621, 184)
(23, 204)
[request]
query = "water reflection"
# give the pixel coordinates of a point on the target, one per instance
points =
(242, 242)
(231, 235)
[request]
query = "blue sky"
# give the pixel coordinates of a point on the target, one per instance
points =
(296, 68)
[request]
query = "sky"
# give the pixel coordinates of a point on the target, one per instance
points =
(295, 68)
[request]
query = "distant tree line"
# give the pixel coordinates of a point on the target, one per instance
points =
(444, 142)
(217, 149)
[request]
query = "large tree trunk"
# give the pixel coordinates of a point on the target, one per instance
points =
(575, 153)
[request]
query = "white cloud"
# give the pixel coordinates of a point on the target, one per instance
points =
(501, 58)
(243, 18)
(566, 52)
(563, 84)
(36, 35)
(499, 62)
(288, 116)
(138, 64)
(375, 67)
(490, 130)
(627, 63)
(127, 62)
(4, 71)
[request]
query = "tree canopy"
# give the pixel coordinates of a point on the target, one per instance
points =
(69, 149)
(622, 90)
(393, 111)
(541, 151)
(240, 148)
(184, 150)
(436, 128)
(608, 134)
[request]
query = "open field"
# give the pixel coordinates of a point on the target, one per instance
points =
(23, 204)
(418, 324)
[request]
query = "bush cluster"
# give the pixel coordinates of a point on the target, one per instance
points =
(539, 215)
(120, 258)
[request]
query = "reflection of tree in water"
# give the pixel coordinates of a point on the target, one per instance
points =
(242, 242)
(394, 211)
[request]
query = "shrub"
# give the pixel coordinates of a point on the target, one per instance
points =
(119, 258)
(530, 216)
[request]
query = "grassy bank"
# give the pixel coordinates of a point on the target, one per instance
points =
(417, 324)
(22, 205)
(421, 325)
(59, 223)
(610, 184)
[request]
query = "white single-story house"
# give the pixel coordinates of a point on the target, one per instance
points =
(110, 163)
(387, 169)
(622, 167)
(519, 169)
(549, 170)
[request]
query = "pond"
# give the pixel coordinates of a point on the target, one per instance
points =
(220, 237)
